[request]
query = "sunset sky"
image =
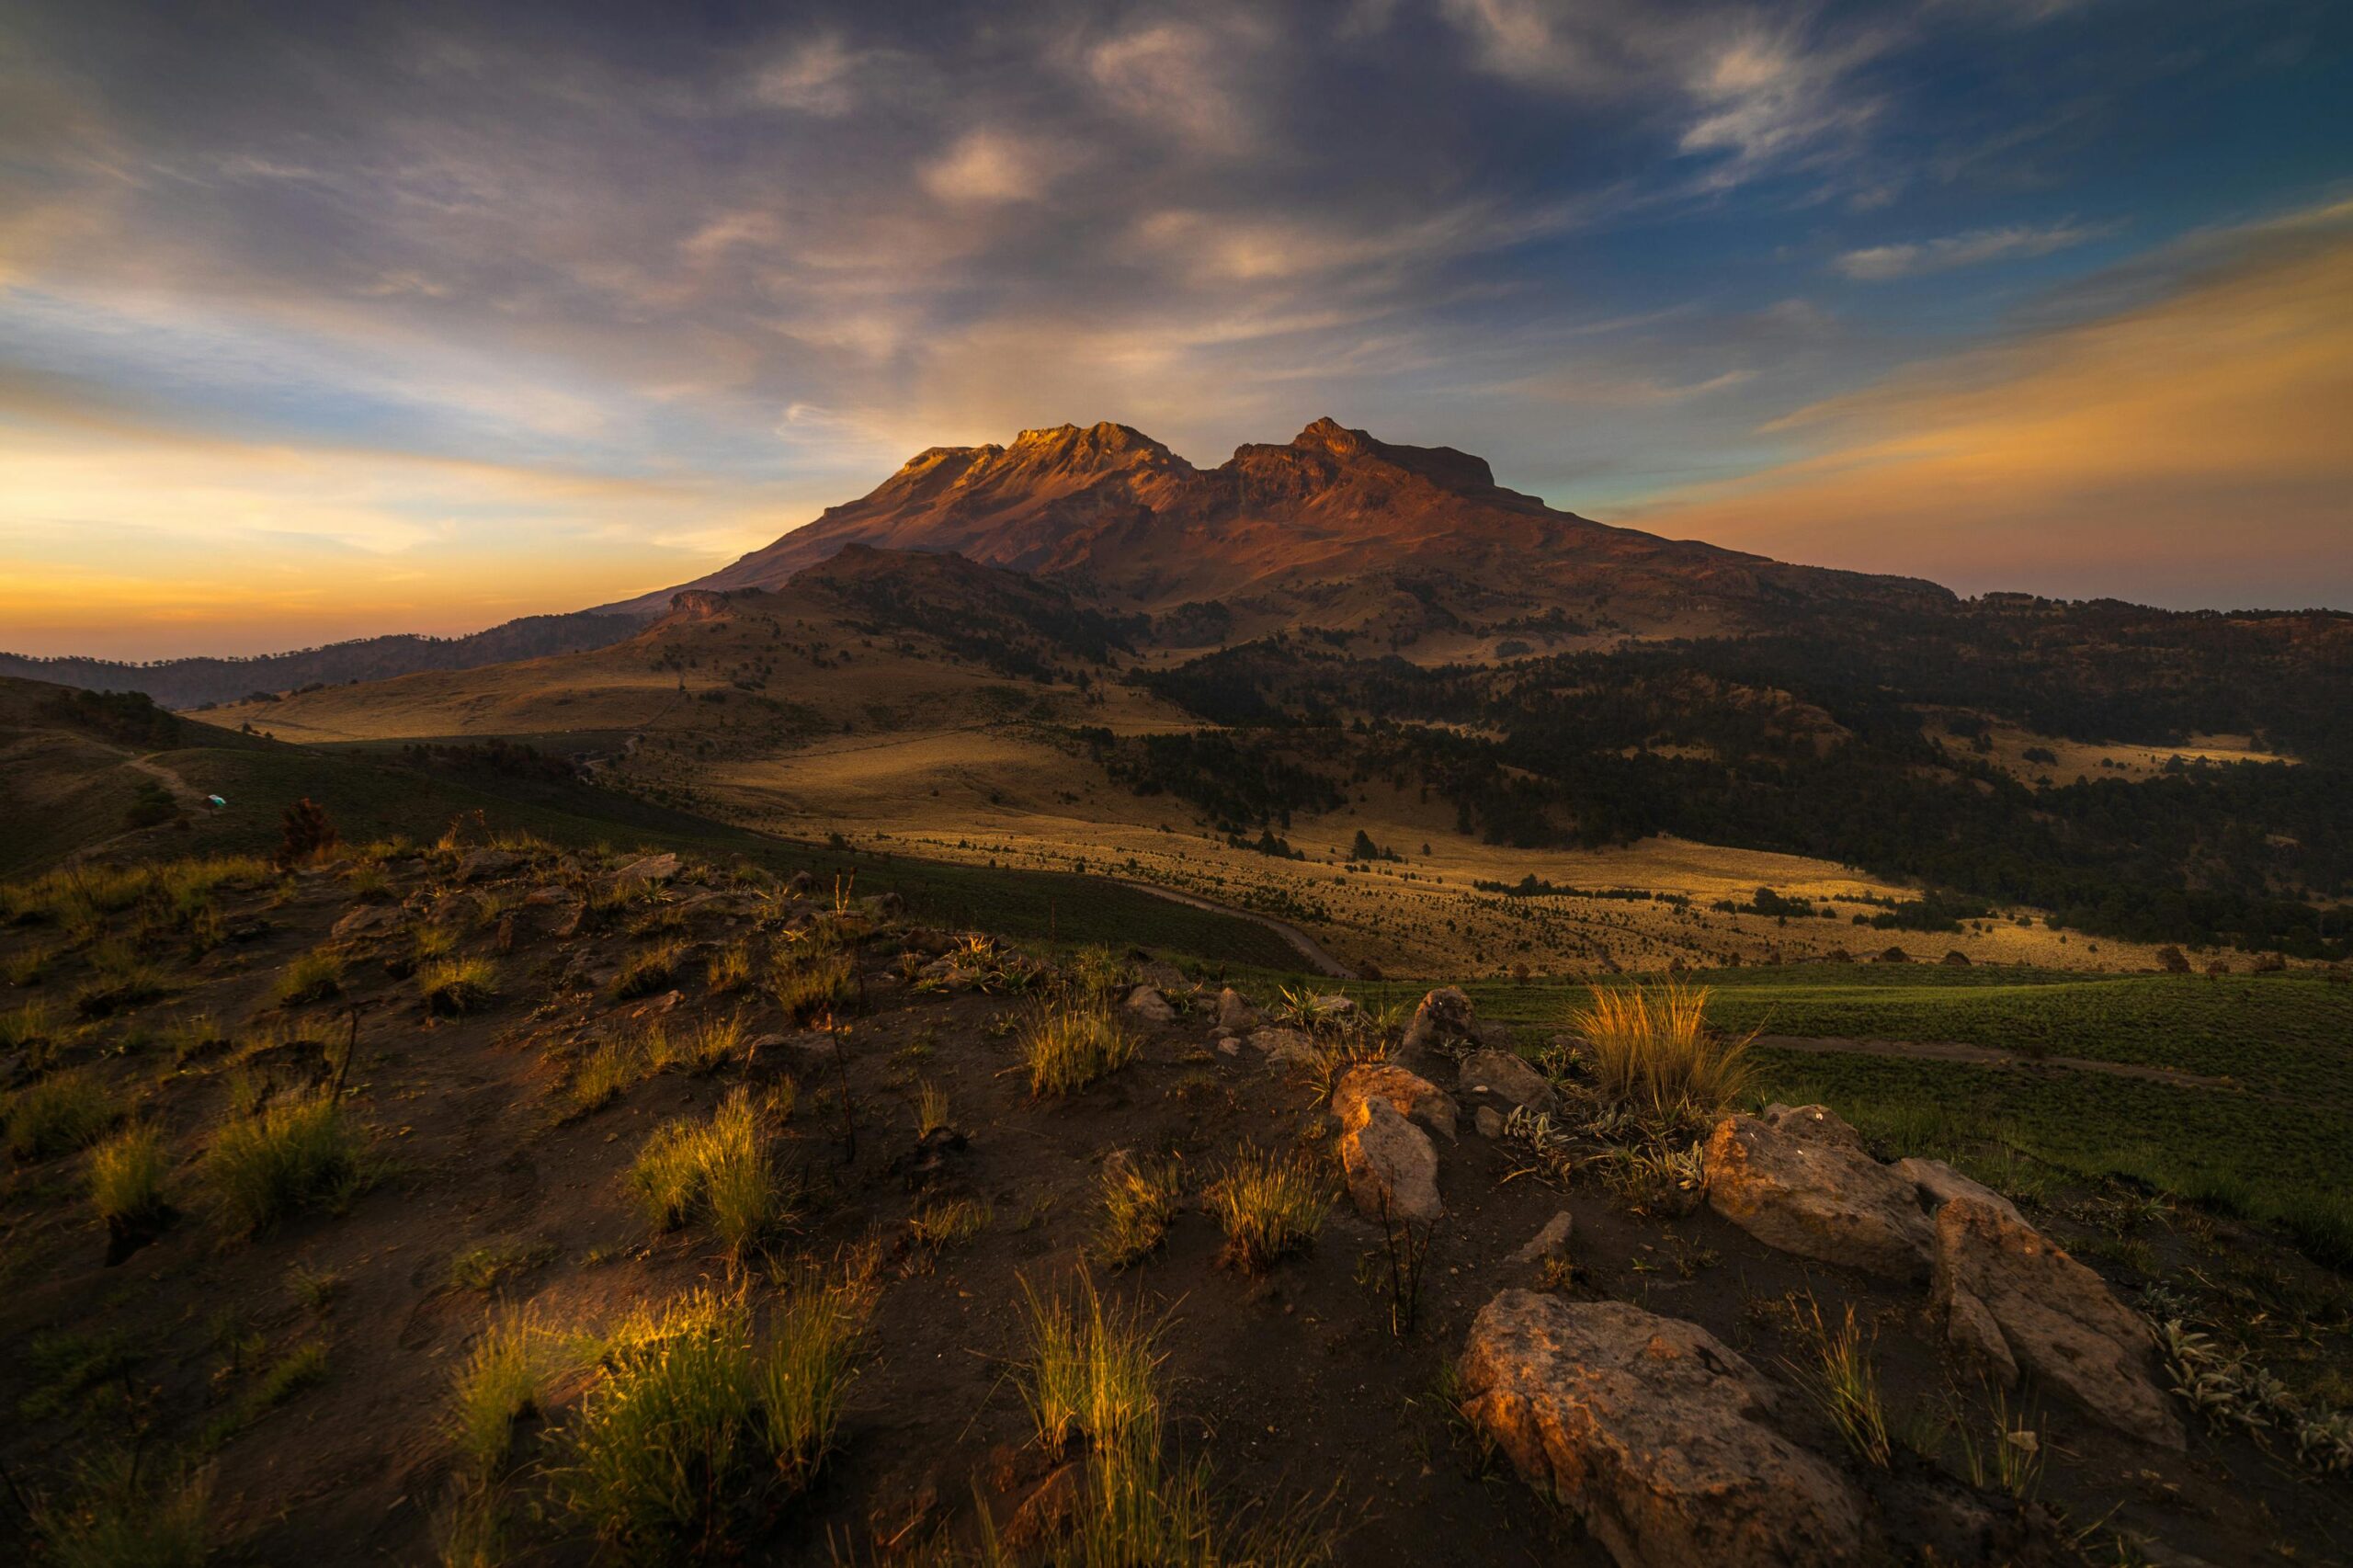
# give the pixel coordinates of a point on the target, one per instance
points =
(319, 321)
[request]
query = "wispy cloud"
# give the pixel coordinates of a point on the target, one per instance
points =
(1881, 264)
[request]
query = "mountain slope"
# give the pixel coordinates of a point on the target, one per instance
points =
(1111, 508)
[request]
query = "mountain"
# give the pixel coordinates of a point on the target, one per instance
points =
(199, 682)
(1355, 527)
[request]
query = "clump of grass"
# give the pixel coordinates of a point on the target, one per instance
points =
(296, 1154)
(27, 1027)
(127, 1179)
(698, 1423)
(1270, 1205)
(810, 987)
(1841, 1373)
(117, 1518)
(729, 968)
(704, 1046)
(504, 1377)
(454, 986)
(314, 977)
(611, 1067)
(1090, 1369)
(59, 1114)
(722, 1170)
(192, 1035)
(487, 1266)
(1139, 1201)
(300, 1367)
(1650, 1049)
(1066, 1049)
(931, 1108)
(2011, 1459)
(648, 972)
(431, 942)
(119, 979)
(949, 1223)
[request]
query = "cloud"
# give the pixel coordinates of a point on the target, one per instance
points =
(1174, 76)
(1881, 264)
(814, 77)
(986, 167)
(2188, 449)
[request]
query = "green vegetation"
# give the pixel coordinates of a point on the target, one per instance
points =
(1140, 1199)
(59, 1114)
(720, 1170)
(455, 986)
(127, 1178)
(1651, 1049)
(504, 1377)
(297, 1154)
(1271, 1206)
(312, 977)
(117, 1518)
(1065, 1049)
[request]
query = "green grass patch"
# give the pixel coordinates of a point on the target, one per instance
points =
(294, 1156)
(59, 1114)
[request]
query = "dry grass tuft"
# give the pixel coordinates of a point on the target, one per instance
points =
(1271, 1206)
(1139, 1199)
(455, 986)
(1066, 1049)
(127, 1178)
(1650, 1049)
(722, 1170)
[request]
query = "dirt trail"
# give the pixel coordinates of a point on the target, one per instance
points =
(1324, 963)
(166, 777)
(1988, 1056)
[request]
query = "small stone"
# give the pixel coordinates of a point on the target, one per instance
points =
(1550, 1242)
(1487, 1071)
(1146, 1003)
(1284, 1046)
(1488, 1120)
(1234, 1015)
(1411, 1095)
(1229, 1046)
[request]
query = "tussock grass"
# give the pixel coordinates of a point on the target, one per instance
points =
(608, 1069)
(949, 1223)
(1065, 1049)
(704, 1046)
(119, 978)
(808, 987)
(487, 1266)
(1090, 1371)
(723, 1171)
(1650, 1049)
(432, 941)
(27, 1027)
(647, 972)
(505, 1377)
(1139, 1199)
(127, 1178)
(1270, 1205)
(295, 1155)
(729, 968)
(1841, 1373)
(117, 1518)
(59, 1114)
(28, 965)
(931, 1108)
(312, 977)
(455, 986)
(698, 1422)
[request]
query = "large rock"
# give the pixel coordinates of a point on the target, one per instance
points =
(1503, 1073)
(1443, 1023)
(1939, 1184)
(1415, 1098)
(1655, 1434)
(1392, 1166)
(1235, 1016)
(1807, 1187)
(2020, 1302)
(647, 870)
(1285, 1046)
(479, 864)
(1146, 1003)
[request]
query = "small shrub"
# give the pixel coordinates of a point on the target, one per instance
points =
(1066, 1049)
(1270, 1207)
(1650, 1050)
(58, 1115)
(296, 1154)
(722, 1170)
(127, 1179)
(305, 834)
(314, 977)
(1139, 1201)
(116, 1519)
(455, 986)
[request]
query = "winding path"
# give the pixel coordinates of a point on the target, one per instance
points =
(1323, 962)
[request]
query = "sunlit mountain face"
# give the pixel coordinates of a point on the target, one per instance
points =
(322, 322)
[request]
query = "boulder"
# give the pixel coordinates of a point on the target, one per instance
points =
(1550, 1242)
(1335, 1005)
(366, 920)
(1802, 1187)
(1235, 1016)
(1817, 1122)
(2010, 1295)
(1655, 1434)
(1416, 1098)
(647, 869)
(1284, 1046)
(1392, 1166)
(1939, 1184)
(1501, 1072)
(1442, 1023)
(481, 863)
(1146, 1003)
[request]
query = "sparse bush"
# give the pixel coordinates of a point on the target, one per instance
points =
(305, 834)
(722, 1170)
(698, 1423)
(1066, 1049)
(1139, 1199)
(296, 1154)
(312, 977)
(127, 1179)
(116, 1519)
(1650, 1050)
(1270, 1207)
(455, 986)
(58, 1115)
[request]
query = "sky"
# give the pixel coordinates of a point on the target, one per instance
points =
(323, 321)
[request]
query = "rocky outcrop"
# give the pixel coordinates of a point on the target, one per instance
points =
(647, 870)
(1413, 1097)
(1499, 1072)
(1655, 1434)
(1804, 1183)
(1392, 1166)
(2019, 1304)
